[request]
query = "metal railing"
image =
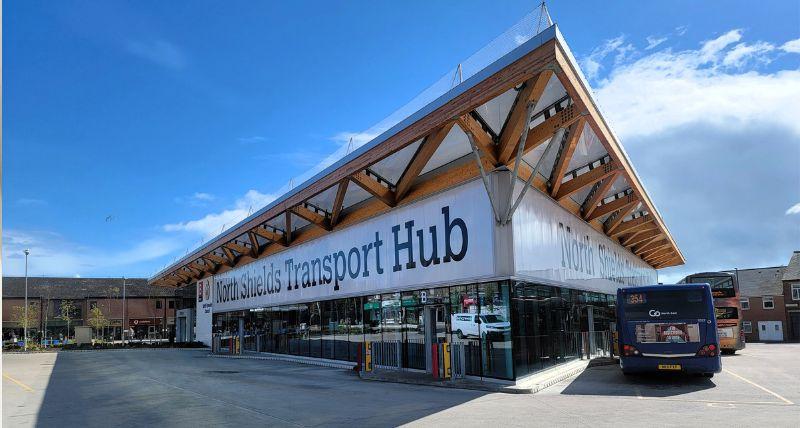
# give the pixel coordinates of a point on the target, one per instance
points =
(465, 357)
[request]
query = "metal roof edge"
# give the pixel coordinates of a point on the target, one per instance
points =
(525, 48)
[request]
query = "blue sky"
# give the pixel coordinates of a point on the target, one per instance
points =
(135, 129)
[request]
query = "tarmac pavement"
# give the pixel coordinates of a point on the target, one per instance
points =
(759, 386)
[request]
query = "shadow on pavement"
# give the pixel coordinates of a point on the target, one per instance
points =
(609, 380)
(186, 388)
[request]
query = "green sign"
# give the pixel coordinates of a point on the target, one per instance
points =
(409, 301)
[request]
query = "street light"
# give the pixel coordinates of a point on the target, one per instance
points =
(123, 311)
(25, 323)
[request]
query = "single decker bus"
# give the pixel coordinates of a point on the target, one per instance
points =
(668, 328)
(727, 306)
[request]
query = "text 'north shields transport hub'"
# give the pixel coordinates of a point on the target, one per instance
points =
(498, 217)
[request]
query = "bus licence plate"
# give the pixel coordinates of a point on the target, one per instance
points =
(669, 366)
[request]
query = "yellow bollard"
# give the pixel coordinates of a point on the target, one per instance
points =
(368, 357)
(446, 361)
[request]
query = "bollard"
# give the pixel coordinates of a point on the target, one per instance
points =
(368, 356)
(446, 361)
(435, 360)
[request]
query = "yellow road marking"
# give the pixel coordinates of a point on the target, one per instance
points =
(758, 386)
(21, 385)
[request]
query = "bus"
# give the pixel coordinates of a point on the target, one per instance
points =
(727, 306)
(668, 328)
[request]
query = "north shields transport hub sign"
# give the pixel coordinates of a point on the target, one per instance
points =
(442, 239)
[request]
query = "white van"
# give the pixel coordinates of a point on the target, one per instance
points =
(474, 325)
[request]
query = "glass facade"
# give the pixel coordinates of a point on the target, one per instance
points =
(506, 329)
(549, 321)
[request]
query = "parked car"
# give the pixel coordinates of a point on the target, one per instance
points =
(474, 325)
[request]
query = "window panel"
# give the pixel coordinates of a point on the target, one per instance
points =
(341, 345)
(356, 330)
(372, 318)
(315, 329)
(328, 329)
(495, 330)
(745, 303)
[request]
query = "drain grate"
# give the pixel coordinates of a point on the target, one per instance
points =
(222, 371)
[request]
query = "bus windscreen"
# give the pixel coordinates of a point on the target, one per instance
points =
(665, 305)
(726, 313)
(721, 286)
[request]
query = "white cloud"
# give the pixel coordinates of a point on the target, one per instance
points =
(202, 196)
(792, 46)
(212, 224)
(159, 52)
(706, 128)
(652, 42)
(52, 255)
(359, 138)
(665, 89)
(741, 53)
(681, 30)
(197, 199)
(592, 64)
(711, 48)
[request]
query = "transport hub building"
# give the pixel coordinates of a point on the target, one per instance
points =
(500, 216)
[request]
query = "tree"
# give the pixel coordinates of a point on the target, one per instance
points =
(47, 307)
(96, 319)
(18, 315)
(67, 313)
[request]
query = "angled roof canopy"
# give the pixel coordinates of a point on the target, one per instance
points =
(587, 172)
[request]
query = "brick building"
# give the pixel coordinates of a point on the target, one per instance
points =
(149, 311)
(763, 303)
(791, 295)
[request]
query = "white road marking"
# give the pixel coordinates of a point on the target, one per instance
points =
(717, 405)
(689, 400)
(774, 394)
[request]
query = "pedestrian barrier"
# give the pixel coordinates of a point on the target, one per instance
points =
(445, 360)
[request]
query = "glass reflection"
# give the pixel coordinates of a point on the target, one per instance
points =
(504, 330)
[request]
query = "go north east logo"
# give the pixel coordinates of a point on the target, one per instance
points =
(656, 313)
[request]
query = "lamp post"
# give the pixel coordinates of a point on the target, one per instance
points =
(124, 330)
(25, 323)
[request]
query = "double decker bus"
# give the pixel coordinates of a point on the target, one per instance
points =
(668, 328)
(727, 306)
